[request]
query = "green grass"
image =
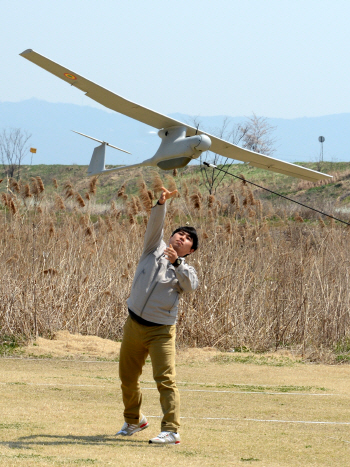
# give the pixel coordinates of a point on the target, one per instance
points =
(342, 358)
(342, 350)
(10, 345)
(40, 357)
(254, 359)
(319, 188)
(54, 460)
(11, 426)
(343, 346)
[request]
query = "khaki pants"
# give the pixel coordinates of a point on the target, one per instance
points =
(159, 343)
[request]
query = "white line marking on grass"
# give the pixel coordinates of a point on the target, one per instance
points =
(24, 383)
(258, 420)
(53, 359)
(341, 440)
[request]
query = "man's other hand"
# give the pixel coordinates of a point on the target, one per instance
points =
(166, 194)
(170, 254)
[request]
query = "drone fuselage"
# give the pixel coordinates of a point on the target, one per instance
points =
(176, 149)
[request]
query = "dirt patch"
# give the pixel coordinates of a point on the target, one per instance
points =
(76, 346)
(66, 345)
(194, 354)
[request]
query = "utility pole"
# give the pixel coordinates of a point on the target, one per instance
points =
(321, 140)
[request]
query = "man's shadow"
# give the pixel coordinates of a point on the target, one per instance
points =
(28, 442)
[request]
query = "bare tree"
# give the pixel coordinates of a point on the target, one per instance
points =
(253, 134)
(229, 131)
(258, 138)
(13, 148)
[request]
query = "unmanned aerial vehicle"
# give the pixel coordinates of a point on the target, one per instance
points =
(180, 143)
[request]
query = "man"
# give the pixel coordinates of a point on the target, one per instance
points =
(161, 276)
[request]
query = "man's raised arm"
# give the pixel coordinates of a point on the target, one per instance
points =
(154, 231)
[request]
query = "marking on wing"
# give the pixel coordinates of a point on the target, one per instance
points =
(70, 76)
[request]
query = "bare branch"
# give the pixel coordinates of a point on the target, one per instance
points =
(254, 134)
(13, 149)
(258, 138)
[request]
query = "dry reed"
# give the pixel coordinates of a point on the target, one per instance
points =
(157, 183)
(93, 185)
(263, 284)
(79, 200)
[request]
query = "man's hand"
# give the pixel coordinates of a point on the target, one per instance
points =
(170, 254)
(166, 194)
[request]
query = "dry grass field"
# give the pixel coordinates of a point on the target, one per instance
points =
(272, 411)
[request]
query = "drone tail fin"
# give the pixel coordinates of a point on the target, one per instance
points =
(97, 163)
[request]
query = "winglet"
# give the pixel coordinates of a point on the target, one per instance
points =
(26, 52)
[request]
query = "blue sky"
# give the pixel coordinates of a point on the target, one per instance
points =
(277, 58)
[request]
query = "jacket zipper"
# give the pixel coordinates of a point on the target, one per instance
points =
(173, 303)
(137, 278)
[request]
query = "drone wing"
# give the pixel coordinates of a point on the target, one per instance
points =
(255, 159)
(102, 95)
(157, 120)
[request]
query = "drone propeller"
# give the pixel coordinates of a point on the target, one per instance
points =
(103, 142)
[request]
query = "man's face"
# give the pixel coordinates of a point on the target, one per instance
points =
(182, 243)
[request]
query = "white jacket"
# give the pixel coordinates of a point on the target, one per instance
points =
(157, 283)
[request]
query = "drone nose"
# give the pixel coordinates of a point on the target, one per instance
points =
(201, 142)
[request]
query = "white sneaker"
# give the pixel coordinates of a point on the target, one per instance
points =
(129, 429)
(166, 437)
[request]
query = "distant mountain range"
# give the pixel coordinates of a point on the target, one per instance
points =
(50, 125)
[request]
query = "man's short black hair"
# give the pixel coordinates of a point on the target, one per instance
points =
(192, 232)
